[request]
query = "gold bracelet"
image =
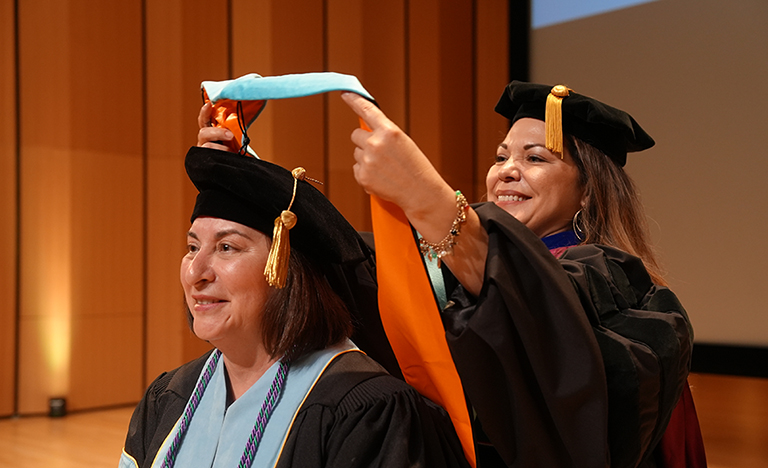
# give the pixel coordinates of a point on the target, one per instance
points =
(445, 246)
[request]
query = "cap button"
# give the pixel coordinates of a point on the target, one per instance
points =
(288, 218)
(299, 173)
(560, 91)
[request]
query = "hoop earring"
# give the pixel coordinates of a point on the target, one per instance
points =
(578, 226)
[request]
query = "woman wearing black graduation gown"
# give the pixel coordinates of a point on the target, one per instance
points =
(284, 386)
(572, 351)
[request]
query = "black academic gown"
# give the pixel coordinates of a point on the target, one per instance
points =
(570, 362)
(356, 416)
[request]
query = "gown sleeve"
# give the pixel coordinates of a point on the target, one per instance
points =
(359, 416)
(646, 342)
(158, 411)
(572, 362)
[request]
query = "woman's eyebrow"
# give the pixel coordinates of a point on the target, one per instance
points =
(526, 147)
(227, 232)
(221, 234)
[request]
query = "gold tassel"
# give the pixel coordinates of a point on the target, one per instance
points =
(553, 119)
(276, 270)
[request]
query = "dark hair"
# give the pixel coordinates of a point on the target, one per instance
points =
(613, 214)
(305, 315)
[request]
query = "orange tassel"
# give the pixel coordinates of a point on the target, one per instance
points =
(553, 119)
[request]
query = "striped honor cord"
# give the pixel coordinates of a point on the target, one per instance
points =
(271, 400)
(263, 418)
(189, 411)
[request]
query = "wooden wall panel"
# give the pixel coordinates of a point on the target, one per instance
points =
(107, 198)
(82, 230)
(366, 39)
(299, 124)
(385, 60)
(345, 32)
(252, 52)
(166, 224)
(423, 88)
(345, 54)
(45, 196)
(491, 65)
(455, 78)
(441, 87)
(179, 55)
(8, 200)
(204, 56)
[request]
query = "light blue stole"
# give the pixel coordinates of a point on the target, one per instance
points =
(217, 435)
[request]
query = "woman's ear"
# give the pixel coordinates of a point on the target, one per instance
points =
(583, 201)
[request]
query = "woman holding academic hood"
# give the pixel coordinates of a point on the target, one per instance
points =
(270, 276)
(571, 349)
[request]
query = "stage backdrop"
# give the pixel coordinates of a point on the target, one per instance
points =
(693, 73)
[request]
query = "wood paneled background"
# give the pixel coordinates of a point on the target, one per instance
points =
(100, 102)
(8, 211)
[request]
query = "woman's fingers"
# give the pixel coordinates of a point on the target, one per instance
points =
(209, 136)
(216, 146)
(366, 110)
(213, 135)
(360, 138)
(387, 162)
(204, 116)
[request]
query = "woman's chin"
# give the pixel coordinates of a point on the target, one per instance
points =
(207, 332)
(513, 208)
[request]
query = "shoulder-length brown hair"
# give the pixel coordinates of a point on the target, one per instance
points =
(612, 214)
(304, 316)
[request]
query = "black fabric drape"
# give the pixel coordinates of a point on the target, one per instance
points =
(576, 362)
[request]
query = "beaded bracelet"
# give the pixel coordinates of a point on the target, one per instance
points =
(445, 246)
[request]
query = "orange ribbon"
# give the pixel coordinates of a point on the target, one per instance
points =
(411, 318)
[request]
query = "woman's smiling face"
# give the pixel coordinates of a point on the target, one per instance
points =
(223, 279)
(539, 188)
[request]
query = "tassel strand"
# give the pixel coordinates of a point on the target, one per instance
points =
(276, 270)
(553, 119)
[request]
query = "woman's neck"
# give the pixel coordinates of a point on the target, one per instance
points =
(243, 368)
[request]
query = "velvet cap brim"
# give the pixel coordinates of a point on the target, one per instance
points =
(254, 192)
(608, 129)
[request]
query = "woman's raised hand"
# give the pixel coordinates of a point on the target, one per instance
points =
(208, 136)
(389, 164)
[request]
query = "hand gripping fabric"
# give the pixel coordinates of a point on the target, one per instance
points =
(237, 103)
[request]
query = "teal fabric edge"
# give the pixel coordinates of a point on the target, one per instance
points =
(253, 87)
(436, 279)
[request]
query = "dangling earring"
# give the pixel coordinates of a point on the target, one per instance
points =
(578, 226)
